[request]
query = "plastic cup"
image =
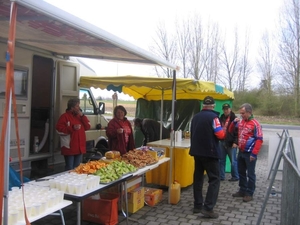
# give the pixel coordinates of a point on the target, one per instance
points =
(60, 196)
(83, 187)
(71, 188)
(77, 189)
(63, 186)
(29, 210)
(37, 208)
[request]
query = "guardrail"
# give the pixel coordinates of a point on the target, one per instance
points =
(290, 197)
(290, 194)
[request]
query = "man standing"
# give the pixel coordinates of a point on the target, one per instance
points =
(228, 146)
(206, 131)
(250, 139)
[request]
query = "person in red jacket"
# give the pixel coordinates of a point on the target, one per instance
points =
(71, 127)
(119, 132)
(250, 139)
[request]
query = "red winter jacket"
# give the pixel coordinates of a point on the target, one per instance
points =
(72, 142)
(250, 136)
(117, 141)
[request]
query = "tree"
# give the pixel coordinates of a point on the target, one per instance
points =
(204, 49)
(244, 65)
(266, 62)
(229, 62)
(213, 51)
(165, 47)
(183, 39)
(197, 48)
(290, 51)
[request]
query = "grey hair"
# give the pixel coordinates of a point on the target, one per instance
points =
(247, 106)
(72, 103)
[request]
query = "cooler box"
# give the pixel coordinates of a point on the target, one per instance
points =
(101, 208)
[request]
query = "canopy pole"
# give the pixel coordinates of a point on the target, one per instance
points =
(161, 112)
(5, 136)
(172, 136)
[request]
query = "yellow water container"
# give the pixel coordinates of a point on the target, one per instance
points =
(175, 193)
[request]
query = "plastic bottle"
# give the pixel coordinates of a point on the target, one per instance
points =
(187, 135)
(36, 144)
(273, 191)
(175, 193)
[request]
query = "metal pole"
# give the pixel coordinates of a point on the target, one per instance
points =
(6, 165)
(161, 112)
(172, 135)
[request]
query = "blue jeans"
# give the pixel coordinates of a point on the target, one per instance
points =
(231, 152)
(211, 166)
(72, 161)
(247, 173)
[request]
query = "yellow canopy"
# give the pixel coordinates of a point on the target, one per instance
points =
(153, 88)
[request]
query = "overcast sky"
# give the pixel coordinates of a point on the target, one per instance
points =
(136, 21)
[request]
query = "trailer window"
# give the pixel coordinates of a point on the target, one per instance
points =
(86, 102)
(21, 82)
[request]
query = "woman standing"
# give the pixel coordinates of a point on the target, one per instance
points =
(71, 127)
(119, 131)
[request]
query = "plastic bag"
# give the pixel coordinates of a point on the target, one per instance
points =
(14, 178)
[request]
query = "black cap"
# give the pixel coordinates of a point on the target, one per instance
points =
(208, 100)
(225, 106)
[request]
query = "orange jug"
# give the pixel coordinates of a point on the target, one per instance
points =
(175, 193)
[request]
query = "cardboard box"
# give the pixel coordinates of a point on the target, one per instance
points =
(152, 196)
(135, 206)
(157, 153)
(135, 199)
(135, 195)
(103, 210)
(134, 183)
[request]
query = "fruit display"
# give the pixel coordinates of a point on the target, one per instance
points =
(89, 168)
(114, 171)
(139, 158)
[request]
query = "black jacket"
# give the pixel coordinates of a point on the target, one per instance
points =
(231, 134)
(204, 143)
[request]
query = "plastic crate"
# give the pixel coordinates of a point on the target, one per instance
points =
(101, 208)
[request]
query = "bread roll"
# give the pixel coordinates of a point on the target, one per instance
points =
(109, 155)
(116, 154)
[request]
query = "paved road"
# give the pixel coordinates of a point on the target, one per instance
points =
(280, 127)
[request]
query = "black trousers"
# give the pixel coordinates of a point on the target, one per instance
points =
(211, 166)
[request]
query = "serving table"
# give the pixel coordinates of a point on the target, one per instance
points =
(183, 164)
(123, 181)
(78, 198)
(48, 211)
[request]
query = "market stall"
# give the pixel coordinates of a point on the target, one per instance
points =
(158, 91)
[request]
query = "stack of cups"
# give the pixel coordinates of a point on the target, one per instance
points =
(76, 184)
(37, 200)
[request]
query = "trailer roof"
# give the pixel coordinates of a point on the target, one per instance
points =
(42, 25)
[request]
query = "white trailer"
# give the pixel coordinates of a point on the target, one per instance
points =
(45, 78)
